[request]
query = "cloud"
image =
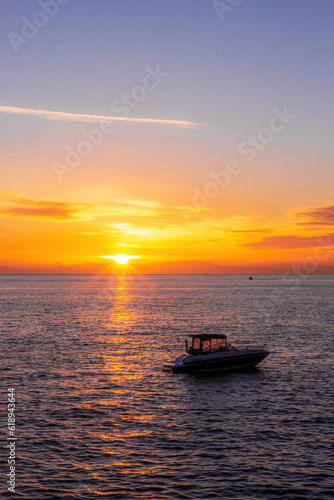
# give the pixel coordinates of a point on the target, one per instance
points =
(40, 209)
(311, 217)
(73, 117)
(319, 216)
(250, 230)
(292, 242)
(150, 204)
(12, 205)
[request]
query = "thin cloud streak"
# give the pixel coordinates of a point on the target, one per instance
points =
(72, 117)
(318, 216)
(291, 241)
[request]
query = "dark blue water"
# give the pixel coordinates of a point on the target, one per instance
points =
(97, 418)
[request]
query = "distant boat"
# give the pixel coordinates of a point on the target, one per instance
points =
(211, 353)
(251, 278)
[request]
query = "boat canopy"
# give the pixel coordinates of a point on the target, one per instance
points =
(206, 343)
(211, 335)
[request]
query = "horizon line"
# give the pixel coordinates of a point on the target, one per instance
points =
(163, 274)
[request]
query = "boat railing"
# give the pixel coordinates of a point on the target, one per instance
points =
(253, 347)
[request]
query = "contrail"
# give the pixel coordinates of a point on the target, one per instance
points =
(72, 117)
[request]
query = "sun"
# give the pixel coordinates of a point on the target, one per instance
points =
(121, 258)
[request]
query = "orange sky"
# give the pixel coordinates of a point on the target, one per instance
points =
(52, 236)
(189, 155)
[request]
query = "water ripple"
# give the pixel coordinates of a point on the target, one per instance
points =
(96, 416)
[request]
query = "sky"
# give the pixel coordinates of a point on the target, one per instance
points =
(191, 135)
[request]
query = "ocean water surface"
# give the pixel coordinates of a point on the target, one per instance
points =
(96, 417)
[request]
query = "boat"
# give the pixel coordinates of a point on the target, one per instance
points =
(212, 353)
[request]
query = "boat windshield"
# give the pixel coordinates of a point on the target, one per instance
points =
(217, 344)
(207, 345)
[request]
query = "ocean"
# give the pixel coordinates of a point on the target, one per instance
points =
(96, 417)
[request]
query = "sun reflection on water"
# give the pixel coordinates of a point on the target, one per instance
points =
(119, 318)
